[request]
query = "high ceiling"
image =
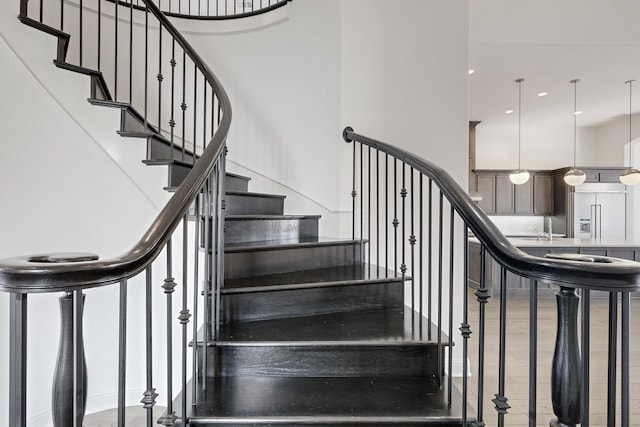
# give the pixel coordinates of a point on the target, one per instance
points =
(549, 43)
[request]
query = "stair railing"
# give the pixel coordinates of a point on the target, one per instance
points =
(419, 221)
(195, 107)
(214, 9)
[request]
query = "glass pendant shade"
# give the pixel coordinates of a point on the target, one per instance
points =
(519, 176)
(630, 176)
(574, 177)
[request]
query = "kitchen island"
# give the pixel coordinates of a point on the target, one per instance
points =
(519, 287)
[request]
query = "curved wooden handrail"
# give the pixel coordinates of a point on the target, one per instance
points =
(260, 11)
(27, 274)
(597, 273)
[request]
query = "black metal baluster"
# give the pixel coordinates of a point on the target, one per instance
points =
(18, 360)
(122, 354)
(149, 399)
(378, 213)
(62, 15)
(451, 301)
(159, 76)
(183, 106)
(386, 215)
(184, 316)
(482, 296)
(368, 204)
(440, 286)
(625, 360)
(420, 255)
(169, 286)
(533, 351)
(146, 68)
(99, 39)
(172, 120)
(195, 112)
(361, 201)
(465, 328)
(131, 52)
(80, 38)
(412, 242)
(220, 238)
(395, 217)
(613, 340)
(198, 239)
(115, 52)
(430, 259)
(585, 303)
(403, 194)
(41, 16)
(209, 251)
(501, 401)
(204, 114)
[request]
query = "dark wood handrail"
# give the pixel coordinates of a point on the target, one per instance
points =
(27, 274)
(597, 273)
(256, 12)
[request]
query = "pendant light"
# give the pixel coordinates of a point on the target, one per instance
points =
(519, 176)
(631, 176)
(575, 176)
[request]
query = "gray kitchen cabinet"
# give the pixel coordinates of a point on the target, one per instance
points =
(501, 197)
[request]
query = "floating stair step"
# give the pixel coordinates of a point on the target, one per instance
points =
(312, 292)
(235, 182)
(249, 228)
(282, 401)
(282, 256)
(63, 38)
(245, 203)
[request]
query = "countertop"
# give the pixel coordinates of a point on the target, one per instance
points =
(564, 242)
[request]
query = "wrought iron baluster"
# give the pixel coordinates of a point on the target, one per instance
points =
(482, 296)
(80, 31)
(533, 351)
(146, 68)
(150, 395)
(613, 356)
(130, 52)
(18, 360)
(451, 301)
(169, 287)
(500, 401)
(440, 285)
(465, 328)
(403, 195)
(430, 258)
(198, 239)
(183, 106)
(195, 112)
(368, 205)
(625, 360)
(421, 254)
(172, 120)
(115, 51)
(412, 242)
(122, 354)
(160, 77)
(99, 35)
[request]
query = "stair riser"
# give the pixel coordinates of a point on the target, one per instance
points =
(248, 204)
(412, 360)
(236, 183)
(262, 262)
(160, 150)
(256, 230)
(307, 302)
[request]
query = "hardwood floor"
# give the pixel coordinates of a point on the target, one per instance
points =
(517, 371)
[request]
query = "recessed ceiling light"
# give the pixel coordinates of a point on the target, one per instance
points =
(509, 111)
(577, 112)
(543, 94)
(471, 71)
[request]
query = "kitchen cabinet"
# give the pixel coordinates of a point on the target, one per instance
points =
(501, 197)
(603, 174)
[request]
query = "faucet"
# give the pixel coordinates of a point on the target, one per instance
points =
(549, 229)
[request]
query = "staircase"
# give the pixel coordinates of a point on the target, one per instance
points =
(310, 334)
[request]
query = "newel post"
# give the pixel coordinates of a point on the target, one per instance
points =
(69, 396)
(566, 368)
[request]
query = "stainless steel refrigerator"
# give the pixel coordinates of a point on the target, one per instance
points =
(599, 211)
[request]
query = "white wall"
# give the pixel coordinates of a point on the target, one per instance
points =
(613, 137)
(497, 147)
(71, 184)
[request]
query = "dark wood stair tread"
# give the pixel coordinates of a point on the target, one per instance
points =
(323, 401)
(252, 194)
(287, 244)
(381, 327)
(333, 276)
